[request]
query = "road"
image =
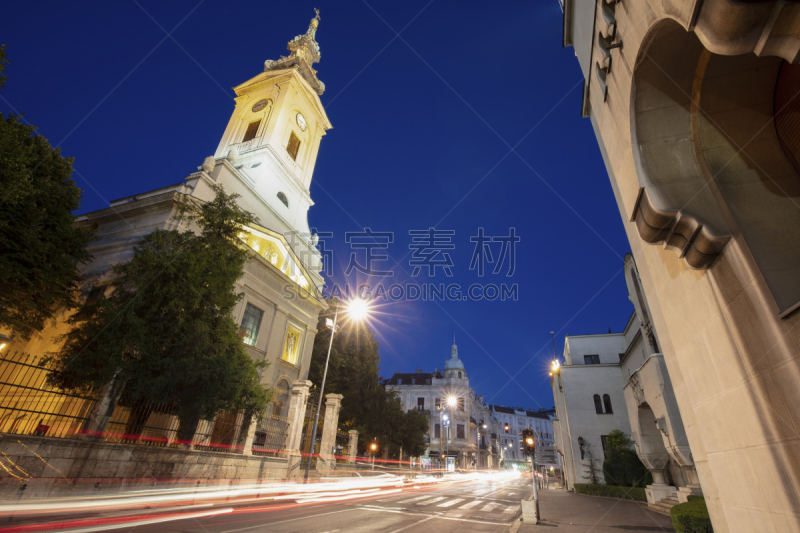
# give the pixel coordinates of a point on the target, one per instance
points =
(485, 506)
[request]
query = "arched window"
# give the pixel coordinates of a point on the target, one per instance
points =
(598, 405)
(459, 375)
(282, 198)
(607, 403)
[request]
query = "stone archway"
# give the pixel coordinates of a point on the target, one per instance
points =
(713, 161)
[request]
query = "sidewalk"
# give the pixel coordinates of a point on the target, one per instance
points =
(576, 513)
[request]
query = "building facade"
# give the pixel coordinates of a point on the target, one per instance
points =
(693, 107)
(267, 155)
(475, 434)
(618, 381)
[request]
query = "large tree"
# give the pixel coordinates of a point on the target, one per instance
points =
(354, 372)
(41, 244)
(165, 334)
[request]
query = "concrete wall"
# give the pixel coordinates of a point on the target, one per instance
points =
(51, 467)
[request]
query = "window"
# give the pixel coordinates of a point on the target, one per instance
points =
(252, 129)
(282, 198)
(421, 404)
(294, 146)
(427, 382)
(437, 431)
(591, 359)
(461, 404)
(399, 381)
(251, 321)
(459, 431)
(598, 405)
(438, 404)
(459, 375)
(607, 403)
(413, 381)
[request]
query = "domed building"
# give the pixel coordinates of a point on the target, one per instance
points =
(463, 430)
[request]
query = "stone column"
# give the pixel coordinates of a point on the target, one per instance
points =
(326, 459)
(247, 435)
(352, 446)
(297, 412)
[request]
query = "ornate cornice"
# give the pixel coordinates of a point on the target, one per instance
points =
(677, 231)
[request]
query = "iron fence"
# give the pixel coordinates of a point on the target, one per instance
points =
(271, 435)
(30, 405)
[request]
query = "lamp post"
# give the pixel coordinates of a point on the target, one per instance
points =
(374, 449)
(357, 309)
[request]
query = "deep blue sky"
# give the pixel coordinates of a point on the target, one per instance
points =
(418, 122)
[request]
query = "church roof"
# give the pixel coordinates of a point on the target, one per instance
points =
(304, 53)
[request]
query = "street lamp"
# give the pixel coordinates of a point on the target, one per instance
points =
(357, 309)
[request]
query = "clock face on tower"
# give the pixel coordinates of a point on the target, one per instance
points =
(301, 121)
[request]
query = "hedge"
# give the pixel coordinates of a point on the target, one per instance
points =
(612, 491)
(691, 517)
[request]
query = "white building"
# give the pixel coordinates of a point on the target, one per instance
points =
(619, 381)
(480, 435)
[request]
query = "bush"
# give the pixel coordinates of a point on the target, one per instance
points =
(691, 517)
(612, 491)
(695, 497)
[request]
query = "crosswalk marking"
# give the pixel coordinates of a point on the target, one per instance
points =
(434, 500)
(414, 499)
(471, 504)
(451, 502)
(489, 507)
(511, 509)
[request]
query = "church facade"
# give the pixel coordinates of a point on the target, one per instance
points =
(267, 154)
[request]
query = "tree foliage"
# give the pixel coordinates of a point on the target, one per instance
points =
(40, 242)
(166, 331)
(622, 466)
(354, 372)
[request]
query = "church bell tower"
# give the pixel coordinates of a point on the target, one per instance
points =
(272, 141)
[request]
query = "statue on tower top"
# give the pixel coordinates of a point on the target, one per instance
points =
(304, 53)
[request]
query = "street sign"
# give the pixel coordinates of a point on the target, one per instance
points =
(546, 455)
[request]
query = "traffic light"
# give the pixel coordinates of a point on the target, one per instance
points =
(528, 442)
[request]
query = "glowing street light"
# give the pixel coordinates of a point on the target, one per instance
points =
(451, 401)
(556, 366)
(357, 309)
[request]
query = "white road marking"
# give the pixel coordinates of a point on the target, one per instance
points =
(451, 518)
(415, 499)
(434, 500)
(511, 509)
(489, 507)
(451, 502)
(471, 504)
(412, 525)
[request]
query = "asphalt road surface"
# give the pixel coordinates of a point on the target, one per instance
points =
(485, 506)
